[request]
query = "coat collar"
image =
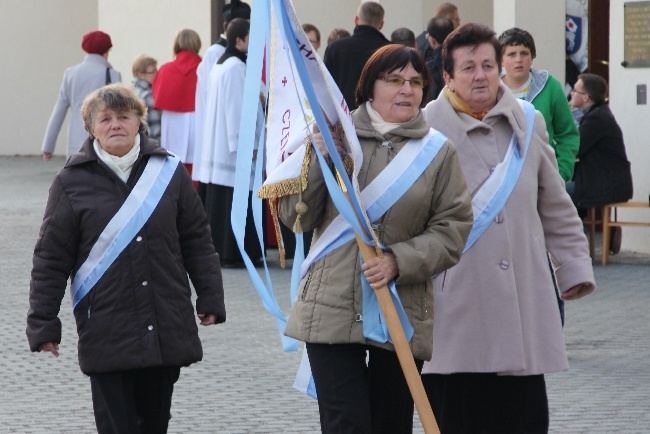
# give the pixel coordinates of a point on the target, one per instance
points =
(509, 108)
(96, 58)
(87, 153)
(414, 129)
(364, 31)
(454, 124)
(232, 52)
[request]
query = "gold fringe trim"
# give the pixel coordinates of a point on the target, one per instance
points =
(289, 186)
(273, 207)
(273, 192)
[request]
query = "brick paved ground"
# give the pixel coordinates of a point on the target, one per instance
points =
(244, 383)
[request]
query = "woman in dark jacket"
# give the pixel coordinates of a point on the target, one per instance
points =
(125, 223)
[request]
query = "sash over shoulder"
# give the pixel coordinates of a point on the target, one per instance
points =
(125, 224)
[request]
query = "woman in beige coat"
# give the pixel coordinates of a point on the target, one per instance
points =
(497, 328)
(423, 234)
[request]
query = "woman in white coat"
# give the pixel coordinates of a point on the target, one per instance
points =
(497, 328)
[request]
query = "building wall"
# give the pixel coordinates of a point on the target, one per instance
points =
(526, 14)
(633, 120)
(149, 27)
(39, 39)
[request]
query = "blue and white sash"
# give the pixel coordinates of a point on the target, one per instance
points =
(494, 193)
(125, 224)
(381, 194)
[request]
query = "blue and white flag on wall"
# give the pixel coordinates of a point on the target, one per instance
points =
(576, 32)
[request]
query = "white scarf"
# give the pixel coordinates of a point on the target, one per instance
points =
(378, 123)
(120, 165)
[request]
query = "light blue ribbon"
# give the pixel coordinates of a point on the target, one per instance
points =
(373, 320)
(498, 201)
(258, 39)
(118, 234)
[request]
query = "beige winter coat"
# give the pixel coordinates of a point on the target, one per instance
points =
(496, 311)
(426, 230)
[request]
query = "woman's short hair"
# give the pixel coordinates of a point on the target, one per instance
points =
(118, 97)
(387, 59)
(337, 34)
(238, 28)
(517, 36)
(595, 86)
(187, 39)
(142, 63)
(311, 28)
(468, 35)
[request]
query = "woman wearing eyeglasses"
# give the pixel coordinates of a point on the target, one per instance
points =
(144, 71)
(359, 382)
(497, 327)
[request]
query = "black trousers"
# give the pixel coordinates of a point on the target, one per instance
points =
(473, 403)
(360, 396)
(217, 200)
(134, 401)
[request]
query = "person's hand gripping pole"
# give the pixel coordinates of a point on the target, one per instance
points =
(395, 329)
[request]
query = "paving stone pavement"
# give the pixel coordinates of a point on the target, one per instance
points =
(244, 383)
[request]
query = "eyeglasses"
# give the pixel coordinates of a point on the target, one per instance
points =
(151, 72)
(574, 90)
(397, 81)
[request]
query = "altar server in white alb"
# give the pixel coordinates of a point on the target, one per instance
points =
(234, 9)
(221, 136)
(496, 325)
(78, 82)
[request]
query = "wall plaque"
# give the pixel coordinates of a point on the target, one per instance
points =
(636, 34)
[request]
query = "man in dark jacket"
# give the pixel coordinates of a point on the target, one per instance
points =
(346, 57)
(446, 10)
(437, 30)
(602, 171)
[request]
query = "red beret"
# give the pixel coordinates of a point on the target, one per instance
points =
(96, 42)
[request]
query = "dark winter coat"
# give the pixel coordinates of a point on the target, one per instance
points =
(345, 58)
(602, 171)
(140, 313)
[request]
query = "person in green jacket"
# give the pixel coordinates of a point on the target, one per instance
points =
(544, 91)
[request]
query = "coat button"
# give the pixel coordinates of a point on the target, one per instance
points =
(145, 283)
(492, 169)
(499, 218)
(138, 238)
(504, 265)
(485, 131)
(150, 328)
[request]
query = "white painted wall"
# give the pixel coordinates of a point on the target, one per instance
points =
(634, 121)
(537, 17)
(39, 39)
(150, 26)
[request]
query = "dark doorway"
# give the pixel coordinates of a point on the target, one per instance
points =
(598, 50)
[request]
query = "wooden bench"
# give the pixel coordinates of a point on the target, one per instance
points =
(608, 222)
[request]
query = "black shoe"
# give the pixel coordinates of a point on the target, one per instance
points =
(615, 239)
